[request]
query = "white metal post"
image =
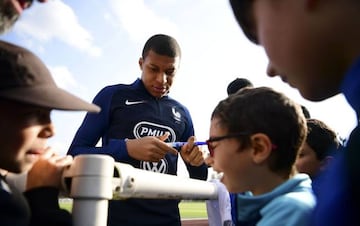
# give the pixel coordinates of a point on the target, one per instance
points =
(89, 183)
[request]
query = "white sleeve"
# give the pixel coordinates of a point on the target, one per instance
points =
(219, 210)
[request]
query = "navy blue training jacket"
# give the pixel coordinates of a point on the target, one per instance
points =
(129, 111)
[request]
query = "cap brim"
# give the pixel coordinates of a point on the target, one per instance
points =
(49, 97)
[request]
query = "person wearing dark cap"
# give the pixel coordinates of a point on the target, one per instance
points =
(237, 84)
(314, 46)
(27, 95)
(10, 11)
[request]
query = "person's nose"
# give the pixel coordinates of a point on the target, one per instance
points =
(162, 77)
(271, 71)
(47, 131)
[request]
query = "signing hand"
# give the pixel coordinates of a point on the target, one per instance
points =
(149, 148)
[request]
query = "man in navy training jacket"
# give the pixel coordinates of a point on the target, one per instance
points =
(135, 123)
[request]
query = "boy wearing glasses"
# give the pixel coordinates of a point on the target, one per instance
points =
(255, 137)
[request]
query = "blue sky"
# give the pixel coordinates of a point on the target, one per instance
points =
(90, 44)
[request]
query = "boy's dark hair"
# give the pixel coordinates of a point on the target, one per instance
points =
(162, 45)
(321, 138)
(238, 84)
(264, 110)
(306, 112)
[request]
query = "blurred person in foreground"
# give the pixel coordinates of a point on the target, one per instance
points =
(314, 46)
(27, 96)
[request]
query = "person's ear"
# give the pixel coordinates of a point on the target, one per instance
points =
(262, 147)
(325, 162)
(141, 61)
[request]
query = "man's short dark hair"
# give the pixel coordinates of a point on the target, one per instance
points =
(162, 45)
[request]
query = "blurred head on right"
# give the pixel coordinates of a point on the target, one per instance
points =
(310, 44)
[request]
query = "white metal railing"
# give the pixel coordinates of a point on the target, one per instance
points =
(92, 180)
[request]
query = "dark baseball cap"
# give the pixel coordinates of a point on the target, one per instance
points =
(243, 15)
(26, 79)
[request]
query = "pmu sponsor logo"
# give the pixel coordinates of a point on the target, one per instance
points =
(143, 129)
(158, 167)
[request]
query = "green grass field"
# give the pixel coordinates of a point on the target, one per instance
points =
(188, 209)
(192, 209)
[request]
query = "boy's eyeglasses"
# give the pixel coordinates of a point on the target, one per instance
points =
(214, 139)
